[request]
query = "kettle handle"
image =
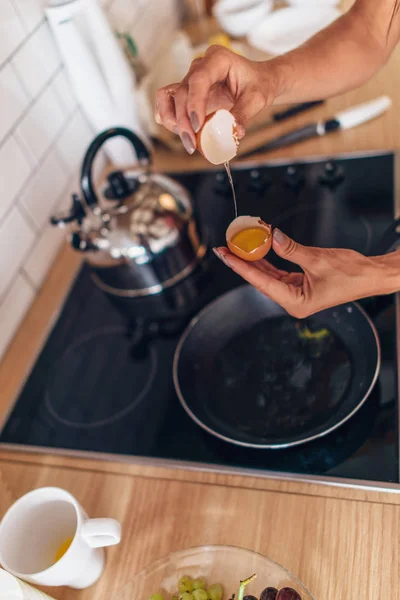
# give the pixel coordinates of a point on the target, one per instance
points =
(87, 166)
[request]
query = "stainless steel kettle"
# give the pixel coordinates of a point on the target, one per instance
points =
(140, 238)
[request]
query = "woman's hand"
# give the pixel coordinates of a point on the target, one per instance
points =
(222, 79)
(337, 59)
(330, 276)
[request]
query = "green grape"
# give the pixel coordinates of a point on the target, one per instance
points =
(199, 584)
(186, 596)
(200, 595)
(156, 597)
(185, 584)
(215, 591)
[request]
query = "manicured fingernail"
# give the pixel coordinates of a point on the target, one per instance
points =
(279, 236)
(221, 257)
(194, 121)
(175, 130)
(187, 142)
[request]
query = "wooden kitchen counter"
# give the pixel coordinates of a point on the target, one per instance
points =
(341, 549)
(342, 542)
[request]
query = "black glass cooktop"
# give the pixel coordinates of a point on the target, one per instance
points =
(89, 392)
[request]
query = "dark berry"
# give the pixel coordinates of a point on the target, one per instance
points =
(288, 594)
(269, 593)
(249, 598)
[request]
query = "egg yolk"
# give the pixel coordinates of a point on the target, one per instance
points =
(249, 239)
(62, 549)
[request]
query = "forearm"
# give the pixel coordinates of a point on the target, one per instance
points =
(339, 58)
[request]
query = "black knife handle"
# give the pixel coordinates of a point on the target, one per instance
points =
(297, 135)
(295, 110)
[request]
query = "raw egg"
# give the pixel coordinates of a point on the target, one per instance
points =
(217, 140)
(249, 238)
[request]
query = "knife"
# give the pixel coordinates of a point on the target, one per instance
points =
(285, 114)
(343, 120)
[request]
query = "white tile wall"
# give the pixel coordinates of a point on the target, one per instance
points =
(37, 60)
(43, 137)
(14, 171)
(43, 123)
(13, 99)
(16, 238)
(31, 13)
(77, 129)
(44, 189)
(13, 308)
(12, 31)
(42, 255)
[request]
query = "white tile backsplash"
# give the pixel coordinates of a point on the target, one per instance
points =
(43, 123)
(13, 100)
(31, 12)
(74, 140)
(12, 32)
(43, 138)
(16, 238)
(13, 309)
(14, 171)
(37, 60)
(44, 189)
(43, 253)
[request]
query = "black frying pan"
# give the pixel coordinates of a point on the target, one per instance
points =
(252, 375)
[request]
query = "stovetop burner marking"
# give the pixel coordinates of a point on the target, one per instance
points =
(122, 413)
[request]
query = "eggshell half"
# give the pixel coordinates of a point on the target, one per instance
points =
(217, 140)
(247, 222)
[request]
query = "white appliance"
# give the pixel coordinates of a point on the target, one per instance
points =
(99, 72)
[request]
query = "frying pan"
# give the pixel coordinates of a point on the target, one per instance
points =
(252, 375)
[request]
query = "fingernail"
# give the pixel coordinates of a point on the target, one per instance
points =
(175, 130)
(194, 121)
(279, 236)
(157, 119)
(187, 142)
(221, 257)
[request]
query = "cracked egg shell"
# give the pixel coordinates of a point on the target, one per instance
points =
(217, 140)
(254, 246)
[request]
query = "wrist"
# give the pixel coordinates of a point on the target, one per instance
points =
(387, 273)
(277, 78)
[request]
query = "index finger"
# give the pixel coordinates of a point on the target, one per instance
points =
(164, 112)
(208, 72)
(268, 285)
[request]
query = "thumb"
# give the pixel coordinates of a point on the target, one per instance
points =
(248, 104)
(290, 250)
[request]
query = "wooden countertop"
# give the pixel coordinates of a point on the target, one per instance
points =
(339, 548)
(342, 542)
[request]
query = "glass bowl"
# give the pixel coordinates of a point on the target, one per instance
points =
(226, 565)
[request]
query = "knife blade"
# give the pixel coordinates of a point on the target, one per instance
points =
(282, 115)
(344, 120)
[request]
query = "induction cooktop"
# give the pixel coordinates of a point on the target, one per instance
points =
(89, 394)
